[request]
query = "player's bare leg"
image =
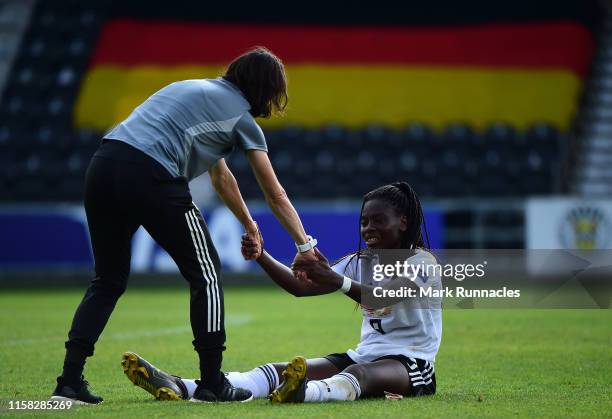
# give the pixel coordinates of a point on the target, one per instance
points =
(317, 368)
(375, 378)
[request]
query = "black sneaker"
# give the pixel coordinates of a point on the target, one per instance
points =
(79, 395)
(160, 384)
(225, 393)
(293, 387)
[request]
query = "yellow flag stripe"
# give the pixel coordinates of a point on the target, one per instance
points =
(357, 95)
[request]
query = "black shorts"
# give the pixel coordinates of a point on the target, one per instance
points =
(421, 372)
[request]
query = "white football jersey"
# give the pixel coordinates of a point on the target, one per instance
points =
(399, 329)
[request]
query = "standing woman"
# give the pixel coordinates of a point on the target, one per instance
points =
(139, 177)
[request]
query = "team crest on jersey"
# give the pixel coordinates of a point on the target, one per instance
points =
(379, 312)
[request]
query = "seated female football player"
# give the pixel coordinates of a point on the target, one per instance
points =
(398, 344)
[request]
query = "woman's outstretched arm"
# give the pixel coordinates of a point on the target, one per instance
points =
(283, 275)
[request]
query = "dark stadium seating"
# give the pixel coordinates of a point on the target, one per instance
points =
(337, 163)
(42, 158)
(328, 163)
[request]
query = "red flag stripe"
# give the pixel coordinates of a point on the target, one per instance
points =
(556, 44)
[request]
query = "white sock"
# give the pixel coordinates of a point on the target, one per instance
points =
(260, 381)
(191, 386)
(314, 391)
(342, 386)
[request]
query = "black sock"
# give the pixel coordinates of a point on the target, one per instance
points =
(74, 363)
(210, 367)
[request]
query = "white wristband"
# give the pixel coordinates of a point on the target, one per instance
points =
(310, 244)
(346, 284)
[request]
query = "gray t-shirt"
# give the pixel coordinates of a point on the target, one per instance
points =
(189, 125)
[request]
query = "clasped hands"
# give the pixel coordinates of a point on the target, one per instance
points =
(311, 267)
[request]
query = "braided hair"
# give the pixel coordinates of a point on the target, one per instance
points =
(406, 202)
(404, 199)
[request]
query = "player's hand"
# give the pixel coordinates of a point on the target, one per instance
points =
(309, 256)
(251, 245)
(318, 272)
(312, 256)
(321, 257)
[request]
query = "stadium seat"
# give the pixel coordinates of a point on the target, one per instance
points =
(331, 161)
(455, 163)
(458, 132)
(500, 131)
(417, 132)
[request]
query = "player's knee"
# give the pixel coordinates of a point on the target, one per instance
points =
(280, 367)
(198, 281)
(115, 289)
(111, 285)
(356, 370)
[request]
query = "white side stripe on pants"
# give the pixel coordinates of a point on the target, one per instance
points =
(210, 295)
(208, 270)
(200, 257)
(214, 284)
(212, 289)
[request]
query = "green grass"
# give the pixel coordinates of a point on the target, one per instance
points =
(538, 363)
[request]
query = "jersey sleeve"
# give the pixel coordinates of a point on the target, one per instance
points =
(339, 269)
(249, 135)
(344, 267)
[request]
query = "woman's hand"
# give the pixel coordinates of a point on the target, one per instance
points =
(251, 245)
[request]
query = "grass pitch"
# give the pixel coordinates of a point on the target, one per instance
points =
(538, 363)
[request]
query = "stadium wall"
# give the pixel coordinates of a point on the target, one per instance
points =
(55, 238)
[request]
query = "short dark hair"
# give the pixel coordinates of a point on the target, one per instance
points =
(260, 75)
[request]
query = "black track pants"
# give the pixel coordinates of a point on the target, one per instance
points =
(126, 189)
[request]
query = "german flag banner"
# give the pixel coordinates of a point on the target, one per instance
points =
(519, 73)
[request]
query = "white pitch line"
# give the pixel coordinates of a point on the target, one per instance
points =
(238, 319)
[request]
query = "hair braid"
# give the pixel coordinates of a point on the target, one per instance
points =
(407, 203)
